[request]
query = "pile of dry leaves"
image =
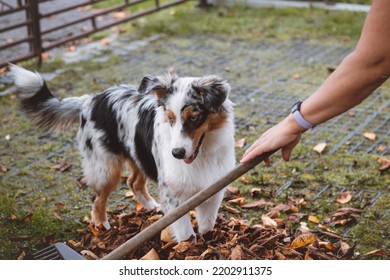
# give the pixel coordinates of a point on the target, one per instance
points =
(232, 238)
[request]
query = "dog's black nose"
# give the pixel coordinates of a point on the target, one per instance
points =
(179, 153)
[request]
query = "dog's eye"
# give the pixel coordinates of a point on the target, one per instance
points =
(194, 118)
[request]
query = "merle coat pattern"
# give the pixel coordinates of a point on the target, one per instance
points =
(176, 131)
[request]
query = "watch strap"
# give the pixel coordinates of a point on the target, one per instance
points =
(299, 118)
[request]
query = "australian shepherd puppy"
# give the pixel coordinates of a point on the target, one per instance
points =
(176, 131)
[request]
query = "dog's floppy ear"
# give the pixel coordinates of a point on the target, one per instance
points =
(213, 91)
(159, 85)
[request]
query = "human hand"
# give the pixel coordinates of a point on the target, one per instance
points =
(284, 135)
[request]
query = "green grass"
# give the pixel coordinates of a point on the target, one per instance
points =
(253, 23)
(24, 193)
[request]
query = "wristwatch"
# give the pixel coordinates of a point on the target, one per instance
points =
(296, 112)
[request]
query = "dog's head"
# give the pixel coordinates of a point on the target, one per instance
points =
(192, 106)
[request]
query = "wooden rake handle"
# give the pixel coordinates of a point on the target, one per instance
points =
(133, 243)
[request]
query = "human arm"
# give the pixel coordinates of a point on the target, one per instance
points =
(358, 75)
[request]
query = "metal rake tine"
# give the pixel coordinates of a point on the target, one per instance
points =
(58, 251)
(49, 253)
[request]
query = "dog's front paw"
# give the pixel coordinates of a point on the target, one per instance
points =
(205, 226)
(183, 234)
(150, 204)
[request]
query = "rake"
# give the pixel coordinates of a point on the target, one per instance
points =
(60, 251)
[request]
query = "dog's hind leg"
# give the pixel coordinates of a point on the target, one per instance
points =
(137, 181)
(103, 181)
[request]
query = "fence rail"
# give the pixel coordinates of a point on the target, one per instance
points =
(30, 16)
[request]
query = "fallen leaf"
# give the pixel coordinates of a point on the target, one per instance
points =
(345, 248)
(296, 76)
(58, 216)
(351, 113)
(281, 207)
(237, 201)
(13, 217)
(381, 148)
(385, 164)
(71, 48)
(347, 211)
(268, 222)
(81, 182)
(84, 8)
(295, 218)
(73, 243)
(166, 235)
(328, 229)
(327, 246)
(154, 218)
(303, 240)
(59, 205)
(307, 255)
(22, 255)
(45, 56)
(240, 143)
(273, 214)
(319, 148)
(90, 255)
(344, 197)
(226, 68)
(293, 208)
(94, 231)
(3, 168)
(370, 135)
(61, 166)
(256, 192)
(151, 255)
(129, 194)
(28, 218)
(237, 253)
(244, 179)
(346, 38)
(344, 216)
(258, 204)
(120, 15)
(233, 190)
(313, 219)
(280, 256)
(182, 247)
(232, 210)
(105, 42)
(300, 201)
(376, 253)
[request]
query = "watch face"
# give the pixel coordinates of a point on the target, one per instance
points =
(295, 107)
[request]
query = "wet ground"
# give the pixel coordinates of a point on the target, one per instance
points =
(267, 77)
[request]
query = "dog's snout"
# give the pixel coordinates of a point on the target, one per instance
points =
(179, 153)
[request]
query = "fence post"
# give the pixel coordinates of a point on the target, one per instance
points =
(34, 28)
(203, 3)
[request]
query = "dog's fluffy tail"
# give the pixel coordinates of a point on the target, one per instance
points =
(41, 105)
